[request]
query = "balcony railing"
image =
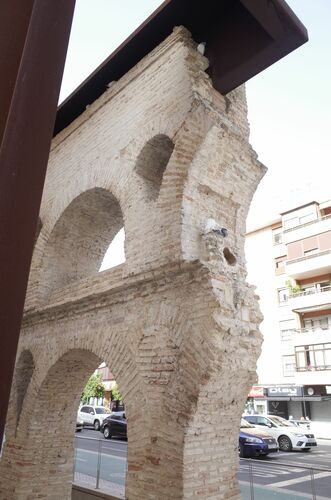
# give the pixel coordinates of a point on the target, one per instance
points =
(310, 368)
(312, 329)
(306, 223)
(310, 291)
(307, 257)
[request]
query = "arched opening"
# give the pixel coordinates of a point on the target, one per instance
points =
(80, 238)
(152, 162)
(52, 446)
(23, 373)
(115, 254)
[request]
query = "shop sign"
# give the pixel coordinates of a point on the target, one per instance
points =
(256, 392)
(279, 392)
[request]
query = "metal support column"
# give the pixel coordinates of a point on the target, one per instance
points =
(30, 109)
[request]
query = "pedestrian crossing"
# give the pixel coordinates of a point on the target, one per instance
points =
(274, 473)
(268, 471)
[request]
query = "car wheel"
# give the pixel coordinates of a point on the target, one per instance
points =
(241, 451)
(96, 425)
(284, 443)
(106, 433)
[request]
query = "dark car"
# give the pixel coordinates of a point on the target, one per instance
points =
(255, 443)
(114, 425)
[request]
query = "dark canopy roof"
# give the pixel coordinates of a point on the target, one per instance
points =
(243, 37)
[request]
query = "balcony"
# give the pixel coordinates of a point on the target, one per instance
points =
(309, 265)
(311, 228)
(310, 336)
(312, 300)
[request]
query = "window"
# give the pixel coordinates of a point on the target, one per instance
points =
(289, 366)
(116, 417)
(313, 357)
(101, 411)
(277, 236)
(262, 421)
(283, 294)
(323, 286)
(251, 419)
(307, 218)
(317, 323)
(84, 409)
(291, 222)
(280, 265)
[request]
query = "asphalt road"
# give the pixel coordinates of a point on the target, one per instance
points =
(278, 477)
(289, 475)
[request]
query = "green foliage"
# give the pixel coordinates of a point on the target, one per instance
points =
(116, 395)
(292, 287)
(93, 389)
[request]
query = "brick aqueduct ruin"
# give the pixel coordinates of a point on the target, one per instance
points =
(163, 154)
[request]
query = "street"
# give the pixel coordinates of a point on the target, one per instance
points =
(94, 453)
(279, 476)
(285, 474)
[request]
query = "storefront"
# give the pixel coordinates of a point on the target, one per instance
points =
(312, 402)
(256, 402)
(273, 400)
(318, 403)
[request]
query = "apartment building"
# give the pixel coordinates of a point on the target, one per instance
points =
(289, 262)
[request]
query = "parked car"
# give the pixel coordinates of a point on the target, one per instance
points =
(114, 425)
(254, 442)
(93, 415)
(79, 424)
(303, 424)
(289, 436)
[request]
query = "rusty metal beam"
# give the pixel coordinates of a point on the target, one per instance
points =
(12, 13)
(35, 74)
(243, 37)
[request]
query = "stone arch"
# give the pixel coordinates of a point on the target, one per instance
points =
(152, 162)
(53, 422)
(23, 373)
(80, 238)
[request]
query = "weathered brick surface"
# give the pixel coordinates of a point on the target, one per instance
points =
(162, 153)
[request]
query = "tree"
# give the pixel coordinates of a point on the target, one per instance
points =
(116, 395)
(93, 389)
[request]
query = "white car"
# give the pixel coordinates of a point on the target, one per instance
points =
(289, 436)
(93, 415)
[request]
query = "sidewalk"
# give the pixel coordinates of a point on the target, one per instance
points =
(87, 481)
(324, 441)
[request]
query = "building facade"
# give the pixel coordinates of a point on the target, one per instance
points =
(289, 261)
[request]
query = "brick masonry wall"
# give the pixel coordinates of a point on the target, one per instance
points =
(167, 157)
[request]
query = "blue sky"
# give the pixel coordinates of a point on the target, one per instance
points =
(289, 103)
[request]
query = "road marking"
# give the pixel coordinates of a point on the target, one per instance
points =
(277, 469)
(104, 455)
(301, 479)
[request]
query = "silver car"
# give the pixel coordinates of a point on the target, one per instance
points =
(289, 436)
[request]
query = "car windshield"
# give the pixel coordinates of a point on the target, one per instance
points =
(281, 422)
(244, 424)
(101, 410)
